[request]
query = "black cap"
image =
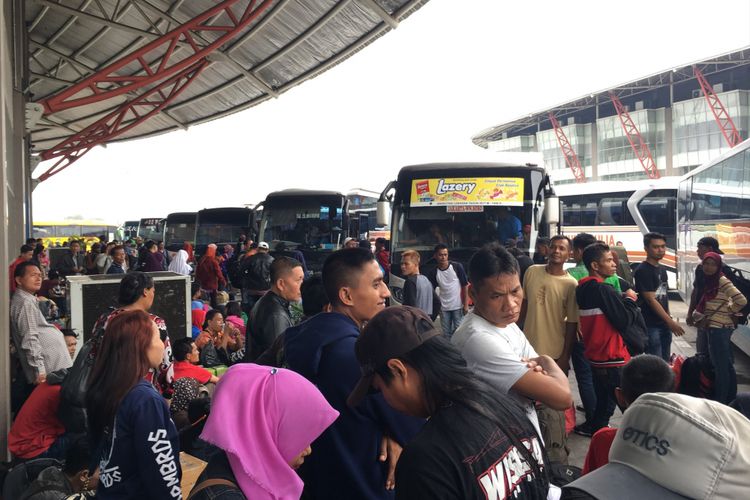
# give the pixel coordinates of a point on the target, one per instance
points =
(391, 333)
(710, 242)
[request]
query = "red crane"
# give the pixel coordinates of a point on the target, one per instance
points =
(125, 117)
(728, 130)
(161, 78)
(157, 60)
(571, 158)
(639, 146)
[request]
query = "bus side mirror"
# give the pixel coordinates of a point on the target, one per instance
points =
(384, 213)
(552, 210)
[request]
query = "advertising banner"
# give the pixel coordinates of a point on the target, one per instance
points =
(474, 191)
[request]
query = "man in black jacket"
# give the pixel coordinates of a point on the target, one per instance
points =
(270, 316)
(73, 261)
(256, 276)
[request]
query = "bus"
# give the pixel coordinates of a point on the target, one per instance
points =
(221, 226)
(313, 222)
(151, 229)
(55, 234)
(129, 229)
(714, 200)
(363, 205)
(465, 205)
(620, 213)
(179, 227)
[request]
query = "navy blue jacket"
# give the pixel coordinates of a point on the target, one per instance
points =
(141, 459)
(344, 463)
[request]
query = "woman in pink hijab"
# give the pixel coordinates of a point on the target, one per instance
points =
(264, 419)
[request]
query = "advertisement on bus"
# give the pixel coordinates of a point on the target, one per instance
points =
(472, 191)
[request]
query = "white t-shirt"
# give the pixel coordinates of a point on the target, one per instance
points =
(449, 289)
(494, 354)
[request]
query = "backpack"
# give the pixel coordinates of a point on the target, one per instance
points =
(72, 410)
(636, 337)
(743, 285)
(234, 271)
(21, 476)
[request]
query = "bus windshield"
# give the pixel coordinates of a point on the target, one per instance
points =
(222, 225)
(151, 229)
(179, 228)
(304, 223)
(421, 228)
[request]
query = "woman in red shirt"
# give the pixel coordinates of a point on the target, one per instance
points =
(209, 273)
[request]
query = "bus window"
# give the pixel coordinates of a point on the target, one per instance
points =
(68, 231)
(611, 211)
(571, 211)
(745, 208)
(732, 180)
(588, 213)
(658, 211)
(706, 194)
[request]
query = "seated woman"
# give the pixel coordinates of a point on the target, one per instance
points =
(260, 462)
(219, 342)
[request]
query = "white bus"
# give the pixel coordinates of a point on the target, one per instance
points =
(621, 212)
(714, 200)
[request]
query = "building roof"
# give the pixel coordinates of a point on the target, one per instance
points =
(262, 49)
(731, 69)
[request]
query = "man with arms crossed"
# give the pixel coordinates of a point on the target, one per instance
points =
(493, 345)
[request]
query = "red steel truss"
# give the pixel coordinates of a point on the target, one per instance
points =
(728, 130)
(571, 158)
(640, 148)
(161, 52)
(127, 116)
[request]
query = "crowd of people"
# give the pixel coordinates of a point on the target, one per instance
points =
(308, 385)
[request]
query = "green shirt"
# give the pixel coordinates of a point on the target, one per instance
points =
(579, 272)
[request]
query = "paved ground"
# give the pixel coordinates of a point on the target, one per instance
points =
(578, 445)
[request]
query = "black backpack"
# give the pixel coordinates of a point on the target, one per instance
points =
(72, 410)
(743, 285)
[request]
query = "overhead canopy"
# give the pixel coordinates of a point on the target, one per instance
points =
(186, 62)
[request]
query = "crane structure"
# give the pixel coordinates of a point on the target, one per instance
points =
(723, 120)
(639, 146)
(571, 158)
(161, 75)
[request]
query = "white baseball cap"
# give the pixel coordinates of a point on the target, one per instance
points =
(263, 244)
(672, 446)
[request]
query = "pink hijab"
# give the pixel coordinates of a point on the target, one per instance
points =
(263, 417)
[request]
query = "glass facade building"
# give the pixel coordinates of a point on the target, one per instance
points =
(687, 130)
(696, 136)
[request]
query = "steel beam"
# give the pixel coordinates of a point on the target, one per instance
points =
(723, 120)
(571, 158)
(639, 146)
(90, 89)
(127, 116)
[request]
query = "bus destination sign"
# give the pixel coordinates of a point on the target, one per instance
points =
(467, 191)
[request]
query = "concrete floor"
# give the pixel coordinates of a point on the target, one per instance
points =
(578, 445)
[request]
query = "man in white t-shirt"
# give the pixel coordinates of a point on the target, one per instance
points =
(493, 345)
(449, 278)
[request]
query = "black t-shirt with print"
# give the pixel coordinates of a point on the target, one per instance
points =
(650, 278)
(460, 454)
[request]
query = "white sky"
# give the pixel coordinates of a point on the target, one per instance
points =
(416, 95)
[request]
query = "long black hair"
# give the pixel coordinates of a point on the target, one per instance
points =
(446, 380)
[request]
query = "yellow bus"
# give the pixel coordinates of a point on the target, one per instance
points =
(55, 234)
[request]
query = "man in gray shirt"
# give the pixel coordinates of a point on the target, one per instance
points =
(418, 290)
(40, 346)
